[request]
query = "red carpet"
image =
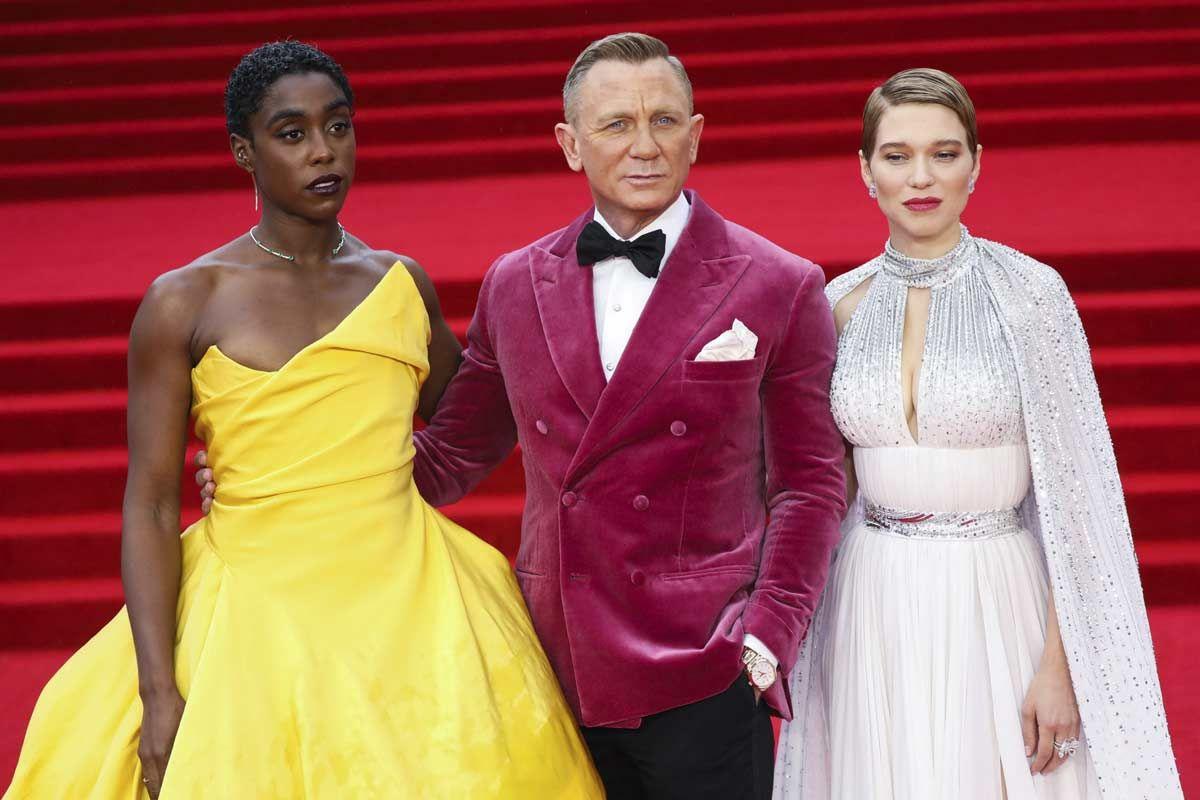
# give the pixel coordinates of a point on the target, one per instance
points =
(1086, 106)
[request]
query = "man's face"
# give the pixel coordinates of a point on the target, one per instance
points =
(633, 136)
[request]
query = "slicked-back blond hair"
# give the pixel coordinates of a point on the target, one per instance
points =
(630, 48)
(921, 85)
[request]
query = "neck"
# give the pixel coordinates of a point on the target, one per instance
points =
(311, 242)
(628, 223)
(926, 248)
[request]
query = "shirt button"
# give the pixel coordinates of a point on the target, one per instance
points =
(542, 427)
(641, 502)
(637, 577)
(617, 307)
(609, 366)
(569, 499)
(678, 427)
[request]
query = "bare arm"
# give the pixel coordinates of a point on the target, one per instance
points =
(445, 353)
(159, 401)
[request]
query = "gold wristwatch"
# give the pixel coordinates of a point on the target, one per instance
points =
(759, 669)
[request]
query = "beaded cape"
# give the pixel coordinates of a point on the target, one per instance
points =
(1076, 511)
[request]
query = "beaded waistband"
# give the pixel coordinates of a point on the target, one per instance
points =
(944, 525)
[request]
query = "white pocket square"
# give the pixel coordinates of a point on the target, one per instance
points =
(736, 344)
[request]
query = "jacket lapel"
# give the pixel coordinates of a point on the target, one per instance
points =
(688, 292)
(564, 299)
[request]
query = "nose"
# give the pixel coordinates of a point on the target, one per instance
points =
(921, 175)
(644, 147)
(322, 152)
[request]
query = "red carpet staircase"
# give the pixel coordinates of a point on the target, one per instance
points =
(130, 105)
(115, 105)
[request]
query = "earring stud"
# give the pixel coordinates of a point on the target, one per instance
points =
(971, 186)
(872, 191)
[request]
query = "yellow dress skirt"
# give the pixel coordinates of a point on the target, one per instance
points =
(336, 637)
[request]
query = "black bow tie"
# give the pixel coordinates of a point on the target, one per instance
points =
(646, 251)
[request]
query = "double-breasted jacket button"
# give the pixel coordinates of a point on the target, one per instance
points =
(637, 577)
(678, 427)
(569, 499)
(542, 427)
(641, 502)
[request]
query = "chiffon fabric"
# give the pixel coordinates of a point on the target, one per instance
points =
(931, 644)
(336, 636)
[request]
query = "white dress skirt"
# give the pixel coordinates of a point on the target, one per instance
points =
(934, 630)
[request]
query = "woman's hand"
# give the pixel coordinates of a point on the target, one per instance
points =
(160, 723)
(1048, 715)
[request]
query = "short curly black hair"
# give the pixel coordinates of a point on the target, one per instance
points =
(261, 67)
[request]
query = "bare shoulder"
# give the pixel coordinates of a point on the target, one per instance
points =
(387, 259)
(181, 293)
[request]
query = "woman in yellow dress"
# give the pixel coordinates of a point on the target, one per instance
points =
(322, 633)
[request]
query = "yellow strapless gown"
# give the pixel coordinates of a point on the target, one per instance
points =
(337, 637)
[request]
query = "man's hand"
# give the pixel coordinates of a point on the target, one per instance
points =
(204, 479)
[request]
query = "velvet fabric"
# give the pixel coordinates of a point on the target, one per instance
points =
(646, 552)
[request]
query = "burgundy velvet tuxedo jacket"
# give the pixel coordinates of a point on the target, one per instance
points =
(646, 551)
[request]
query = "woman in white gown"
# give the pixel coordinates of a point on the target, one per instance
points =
(983, 633)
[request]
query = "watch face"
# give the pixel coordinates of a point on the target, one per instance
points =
(762, 674)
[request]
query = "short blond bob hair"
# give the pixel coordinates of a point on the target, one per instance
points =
(921, 85)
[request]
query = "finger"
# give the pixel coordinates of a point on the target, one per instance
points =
(203, 476)
(208, 490)
(1055, 762)
(201, 458)
(1029, 732)
(205, 505)
(1045, 749)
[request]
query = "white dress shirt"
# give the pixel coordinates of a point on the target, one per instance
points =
(620, 294)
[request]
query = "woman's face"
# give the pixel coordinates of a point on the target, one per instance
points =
(922, 170)
(302, 147)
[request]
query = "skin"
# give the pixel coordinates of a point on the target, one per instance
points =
(921, 151)
(633, 134)
(258, 310)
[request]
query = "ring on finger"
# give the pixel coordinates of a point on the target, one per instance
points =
(1067, 747)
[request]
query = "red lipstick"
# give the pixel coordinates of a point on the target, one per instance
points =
(922, 203)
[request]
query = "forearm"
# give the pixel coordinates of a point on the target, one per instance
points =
(150, 571)
(1054, 655)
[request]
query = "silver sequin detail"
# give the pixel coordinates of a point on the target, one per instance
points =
(946, 526)
(1076, 510)
(968, 392)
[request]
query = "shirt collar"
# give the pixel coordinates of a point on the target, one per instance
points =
(671, 222)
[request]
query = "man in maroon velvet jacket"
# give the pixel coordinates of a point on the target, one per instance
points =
(667, 374)
(653, 576)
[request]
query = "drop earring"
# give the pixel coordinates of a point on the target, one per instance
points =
(971, 186)
(255, 194)
(872, 191)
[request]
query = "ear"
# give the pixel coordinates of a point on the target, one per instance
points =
(564, 132)
(978, 162)
(697, 127)
(243, 152)
(864, 167)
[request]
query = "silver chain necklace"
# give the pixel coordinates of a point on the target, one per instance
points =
(336, 249)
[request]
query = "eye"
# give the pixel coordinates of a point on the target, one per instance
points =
(894, 158)
(341, 126)
(946, 155)
(616, 125)
(291, 135)
(665, 120)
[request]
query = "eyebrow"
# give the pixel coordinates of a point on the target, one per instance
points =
(938, 143)
(292, 113)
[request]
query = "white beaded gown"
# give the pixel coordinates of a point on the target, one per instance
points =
(934, 616)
